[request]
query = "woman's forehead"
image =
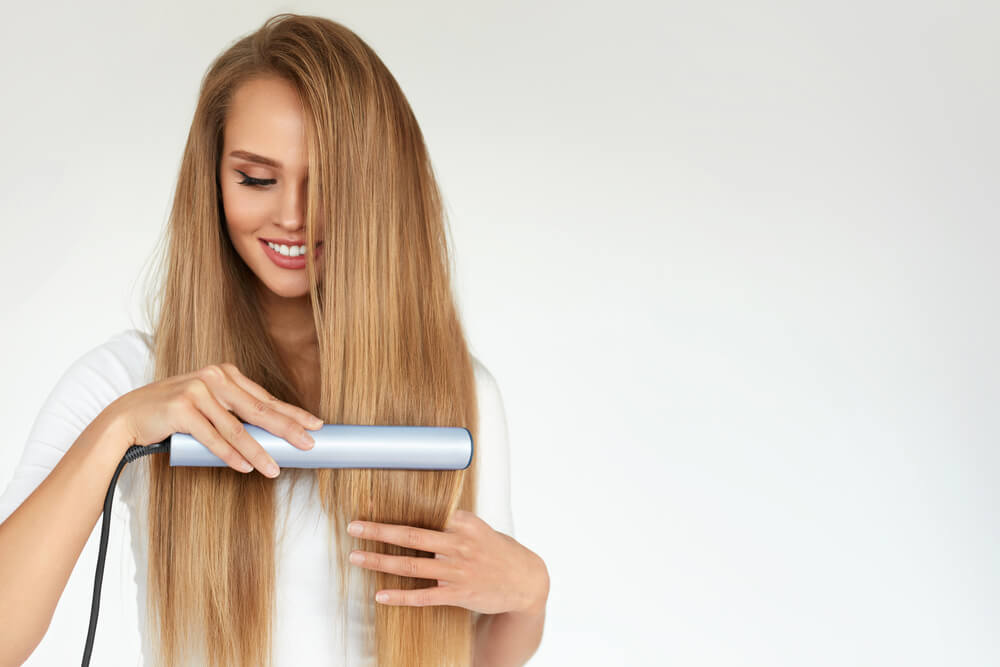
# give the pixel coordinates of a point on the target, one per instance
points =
(265, 125)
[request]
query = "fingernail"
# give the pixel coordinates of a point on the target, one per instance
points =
(317, 421)
(354, 528)
(271, 470)
(308, 440)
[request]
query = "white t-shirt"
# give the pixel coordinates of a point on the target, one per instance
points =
(307, 603)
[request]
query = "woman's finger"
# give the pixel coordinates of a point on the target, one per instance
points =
(419, 597)
(420, 539)
(233, 433)
(205, 432)
(306, 418)
(254, 410)
(407, 566)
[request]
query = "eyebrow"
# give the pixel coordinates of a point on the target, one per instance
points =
(253, 157)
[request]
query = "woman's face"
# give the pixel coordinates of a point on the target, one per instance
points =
(264, 141)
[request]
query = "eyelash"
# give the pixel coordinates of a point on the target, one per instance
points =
(252, 182)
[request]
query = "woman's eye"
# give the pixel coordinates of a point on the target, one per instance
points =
(255, 182)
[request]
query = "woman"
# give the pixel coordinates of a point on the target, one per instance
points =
(302, 141)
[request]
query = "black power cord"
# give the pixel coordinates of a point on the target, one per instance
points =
(134, 452)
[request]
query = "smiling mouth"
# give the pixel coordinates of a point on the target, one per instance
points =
(289, 261)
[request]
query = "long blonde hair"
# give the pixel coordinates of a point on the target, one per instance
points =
(392, 351)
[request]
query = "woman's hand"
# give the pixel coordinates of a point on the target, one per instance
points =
(475, 566)
(206, 404)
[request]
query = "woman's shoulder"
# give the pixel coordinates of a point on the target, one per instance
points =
(136, 339)
(120, 357)
(484, 378)
(123, 359)
(97, 376)
(488, 394)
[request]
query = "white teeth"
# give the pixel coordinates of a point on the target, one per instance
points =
(295, 250)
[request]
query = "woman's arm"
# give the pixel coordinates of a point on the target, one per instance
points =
(43, 538)
(510, 638)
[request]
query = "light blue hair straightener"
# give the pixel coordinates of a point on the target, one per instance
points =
(337, 446)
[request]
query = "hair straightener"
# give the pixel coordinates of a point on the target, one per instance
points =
(337, 446)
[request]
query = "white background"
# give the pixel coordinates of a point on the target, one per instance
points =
(732, 264)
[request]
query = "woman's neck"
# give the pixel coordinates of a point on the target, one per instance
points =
(290, 324)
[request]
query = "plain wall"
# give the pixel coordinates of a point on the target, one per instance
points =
(733, 265)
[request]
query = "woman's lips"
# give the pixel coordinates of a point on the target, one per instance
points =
(288, 262)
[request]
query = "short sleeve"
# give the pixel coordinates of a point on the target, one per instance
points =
(89, 385)
(493, 454)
